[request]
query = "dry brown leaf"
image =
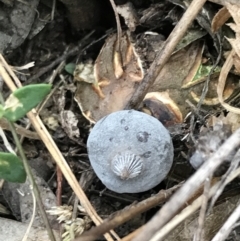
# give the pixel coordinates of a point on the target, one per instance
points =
(212, 98)
(162, 107)
(235, 45)
(236, 62)
(234, 10)
(121, 73)
(220, 18)
(187, 82)
(177, 74)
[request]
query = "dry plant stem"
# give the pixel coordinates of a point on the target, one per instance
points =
(225, 177)
(41, 105)
(74, 215)
(32, 181)
(53, 9)
(222, 80)
(6, 142)
(223, 2)
(202, 214)
(169, 210)
(20, 130)
(130, 236)
(163, 56)
(54, 151)
(69, 53)
(28, 171)
(59, 186)
(188, 211)
(177, 220)
(25, 238)
(126, 214)
(119, 29)
(226, 229)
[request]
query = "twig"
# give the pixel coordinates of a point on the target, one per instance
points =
(130, 236)
(53, 9)
(188, 211)
(126, 214)
(29, 173)
(59, 186)
(20, 130)
(203, 211)
(177, 220)
(223, 2)
(163, 56)
(71, 52)
(204, 93)
(25, 238)
(192, 184)
(41, 105)
(56, 154)
(225, 177)
(226, 229)
(6, 142)
(119, 29)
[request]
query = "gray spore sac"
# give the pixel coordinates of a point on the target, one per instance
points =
(133, 160)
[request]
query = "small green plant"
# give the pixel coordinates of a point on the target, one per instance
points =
(18, 104)
(70, 68)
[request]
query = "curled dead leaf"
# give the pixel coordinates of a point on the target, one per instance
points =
(220, 19)
(162, 107)
(117, 75)
(212, 97)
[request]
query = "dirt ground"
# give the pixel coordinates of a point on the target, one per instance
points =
(75, 46)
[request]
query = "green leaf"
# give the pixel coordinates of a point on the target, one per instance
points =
(11, 168)
(70, 68)
(22, 100)
(204, 70)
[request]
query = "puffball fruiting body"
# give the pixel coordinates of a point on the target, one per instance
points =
(130, 151)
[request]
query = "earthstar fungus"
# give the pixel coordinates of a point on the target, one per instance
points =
(130, 151)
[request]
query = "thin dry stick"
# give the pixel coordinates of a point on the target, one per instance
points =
(27, 168)
(6, 142)
(25, 238)
(163, 56)
(41, 105)
(126, 214)
(64, 56)
(188, 211)
(20, 130)
(224, 2)
(54, 151)
(203, 211)
(225, 230)
(192, 184)
(119, 29)
(53, 9)
(225, 177)
(130, 236)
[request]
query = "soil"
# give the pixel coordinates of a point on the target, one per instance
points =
(57, 38)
